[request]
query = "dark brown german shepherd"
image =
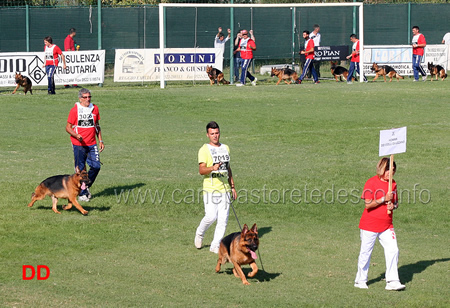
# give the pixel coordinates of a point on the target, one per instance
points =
(62, 186)
(383, 70)
(284, 74)
(437, 70)
(23, 81)
(215, 76)
(339, 71)
(239, 248)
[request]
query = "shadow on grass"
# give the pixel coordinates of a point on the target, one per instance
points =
(406, 272)
(264, 230)
(115, 191)
(86, 207)
(261, 276)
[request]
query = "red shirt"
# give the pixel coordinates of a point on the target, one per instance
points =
(377, 219)
(246, 51)
(309, 45)
(51, 55)
(418, 39)
(69, 43)
(355, 57)
(84, 120)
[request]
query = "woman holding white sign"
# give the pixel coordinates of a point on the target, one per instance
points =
(377, 223)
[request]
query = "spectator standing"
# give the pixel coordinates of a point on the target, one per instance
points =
(237, 54)
(418, 45)
(446, 39)
(51, 53)
(69, 45)
(315, 35)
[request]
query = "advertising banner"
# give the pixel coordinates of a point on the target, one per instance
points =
(132, 65)
(82, 67)
(400, 57)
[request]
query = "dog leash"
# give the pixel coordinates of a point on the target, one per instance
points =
(234, 211)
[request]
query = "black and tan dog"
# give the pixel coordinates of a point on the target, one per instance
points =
(385, 70)
(284, 74)
(215, 76)
(62, 186)
(437, 70)
(339, 71)
(23, 81)
(239, 248)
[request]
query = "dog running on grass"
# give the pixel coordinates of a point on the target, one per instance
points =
(383, 70)
(62, 186)
(239, 248)
(436, 70)
(215, 76)
(23, 81)
(284, 74)
(339, 71)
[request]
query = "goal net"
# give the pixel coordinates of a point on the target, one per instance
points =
(277, 28)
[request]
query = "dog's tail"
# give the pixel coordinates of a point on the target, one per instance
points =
(401, 77)
(225, 82)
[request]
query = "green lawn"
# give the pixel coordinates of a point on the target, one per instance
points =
(300, 156)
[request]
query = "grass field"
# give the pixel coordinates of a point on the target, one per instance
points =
(300, 155)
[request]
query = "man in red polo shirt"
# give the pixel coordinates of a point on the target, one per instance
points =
(69, 45)
(309, 55)
(418, 44)
(83, 127)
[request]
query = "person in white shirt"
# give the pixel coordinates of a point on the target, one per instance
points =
(220, 40)
(446, 39)
(315, 35)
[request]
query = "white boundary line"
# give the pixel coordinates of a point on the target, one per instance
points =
(350, 4)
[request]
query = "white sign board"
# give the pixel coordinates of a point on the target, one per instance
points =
(87, 66)
(392, 141)
(132, 65)
(400, 57)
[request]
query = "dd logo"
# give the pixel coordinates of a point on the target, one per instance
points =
(38, 270)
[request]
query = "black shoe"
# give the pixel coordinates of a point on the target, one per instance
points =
(66, 86)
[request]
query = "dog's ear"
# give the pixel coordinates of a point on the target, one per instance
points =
(245, 229)
(254, 229)
(77, 170)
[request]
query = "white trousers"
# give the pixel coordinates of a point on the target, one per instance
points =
(388, 240)
(217, 207)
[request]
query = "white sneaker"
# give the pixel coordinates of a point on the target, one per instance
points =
(424, 78)
(215, 250)
(83, 198)
(361, 285)
(395, 286)
(198, 241)
(88, 193)
(254, 81)
(239, 85)
(349, 82)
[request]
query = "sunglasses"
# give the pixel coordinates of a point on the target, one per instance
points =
(86, 96)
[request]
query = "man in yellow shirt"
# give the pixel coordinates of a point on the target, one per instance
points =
(218, 183)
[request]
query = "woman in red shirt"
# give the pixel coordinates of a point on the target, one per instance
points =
(375, 223)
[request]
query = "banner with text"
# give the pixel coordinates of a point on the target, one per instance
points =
(400, 57)
(82, 67)
(133, 65)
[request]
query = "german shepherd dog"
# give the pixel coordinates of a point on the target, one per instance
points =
(239, 248)
(436, 70)
(383, 70)
(62, 186)
(23, 81)
(284, 74)
(215, 76)
(339, 71)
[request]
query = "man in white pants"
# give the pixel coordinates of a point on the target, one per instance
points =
(214, 165)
